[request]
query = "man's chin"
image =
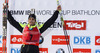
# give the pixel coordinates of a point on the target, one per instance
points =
(31, 24)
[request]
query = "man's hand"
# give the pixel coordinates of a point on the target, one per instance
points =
(59, 8)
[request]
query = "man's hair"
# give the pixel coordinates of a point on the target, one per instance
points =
(33, 16)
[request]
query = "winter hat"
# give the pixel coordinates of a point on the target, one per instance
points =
(32, 16)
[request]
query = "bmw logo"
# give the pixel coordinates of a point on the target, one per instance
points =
(60, 50)
(41, 40)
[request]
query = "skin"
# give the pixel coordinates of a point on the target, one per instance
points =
(32, 21)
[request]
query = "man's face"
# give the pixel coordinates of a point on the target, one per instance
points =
(31, 21)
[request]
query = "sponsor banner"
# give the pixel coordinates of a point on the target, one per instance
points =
(75, 24)
(81, 16)
(97, 51)
(43, 50)
(60, 40)
(1, 50)
(82, 40)
(77, 50)
(97, 40)
(17, 50)
(0, 39)
(16, 39)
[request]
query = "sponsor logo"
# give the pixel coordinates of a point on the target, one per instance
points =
(60, 40)
(82, 40)
(0, 49)
(81, 50)
(43, 50)
(15, 50)
(97, 40)
(16, 39)
(97, 51)
(75, 24)
(60, 50)
(0, 39)
(41, 40)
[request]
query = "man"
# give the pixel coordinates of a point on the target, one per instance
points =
(32, 31)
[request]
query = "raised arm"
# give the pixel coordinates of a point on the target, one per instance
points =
(51, 20)
(13, 22)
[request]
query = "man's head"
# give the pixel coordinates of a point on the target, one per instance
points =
(32, 19)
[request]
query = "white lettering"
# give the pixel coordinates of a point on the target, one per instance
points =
(76, 25)
(60, 40)
(14, 39)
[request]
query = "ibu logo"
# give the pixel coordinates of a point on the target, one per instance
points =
(82, 40)
(15, 50)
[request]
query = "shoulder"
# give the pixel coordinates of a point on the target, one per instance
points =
(22, 25)
(40, 25)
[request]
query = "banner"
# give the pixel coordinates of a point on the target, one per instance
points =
(1, 30)
(81, 19)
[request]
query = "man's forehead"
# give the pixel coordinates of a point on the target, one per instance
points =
(31, 17)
